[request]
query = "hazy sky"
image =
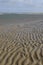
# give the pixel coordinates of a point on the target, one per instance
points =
(21, 6)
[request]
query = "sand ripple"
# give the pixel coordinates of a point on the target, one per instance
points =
(21, 47)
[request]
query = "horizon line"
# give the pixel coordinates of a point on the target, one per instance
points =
(21, 13)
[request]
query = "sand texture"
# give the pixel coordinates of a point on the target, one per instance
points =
(22, 45)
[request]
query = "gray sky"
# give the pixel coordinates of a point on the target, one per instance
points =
(18, 6)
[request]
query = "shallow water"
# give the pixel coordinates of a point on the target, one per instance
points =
(9, 19)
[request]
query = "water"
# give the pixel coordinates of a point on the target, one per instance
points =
(8, 19)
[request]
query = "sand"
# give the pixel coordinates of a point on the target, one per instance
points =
(21, 45)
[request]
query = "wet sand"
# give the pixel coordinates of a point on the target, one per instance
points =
(21, 44)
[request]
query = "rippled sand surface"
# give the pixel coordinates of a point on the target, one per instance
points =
(21, 45)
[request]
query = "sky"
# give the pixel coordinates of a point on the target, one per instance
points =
(21, 6)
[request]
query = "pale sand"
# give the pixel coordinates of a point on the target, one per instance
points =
(21, 46)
